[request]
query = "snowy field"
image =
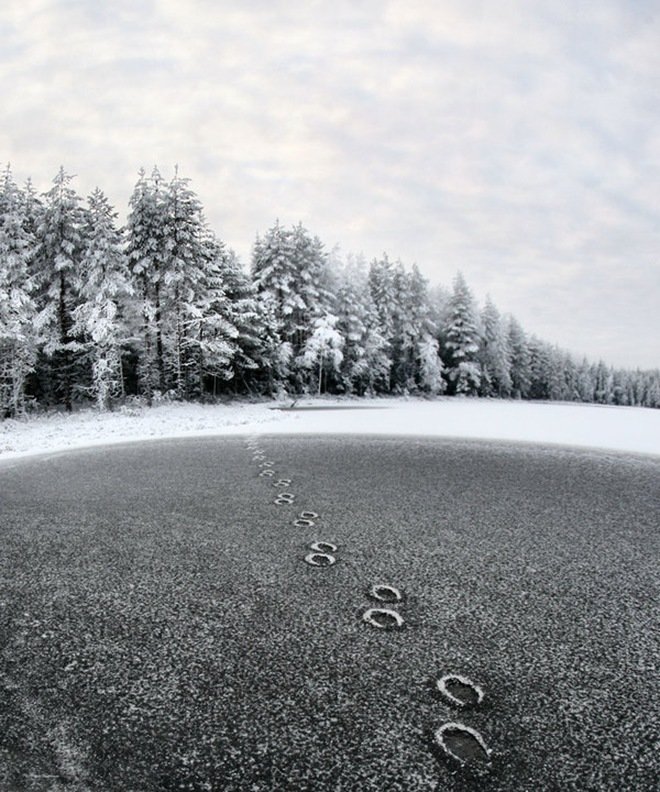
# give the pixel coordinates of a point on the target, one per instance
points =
(624, 429)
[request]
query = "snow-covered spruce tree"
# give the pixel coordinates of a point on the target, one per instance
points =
(243, 313)
(144, 252)
(557, 386)
(411, 324)
(315, 298)
(519, 356)
(540, 366)
(603, 380)
(274, 276)
(350, 324)
(17, 309)
(323, 350)
(585, 384)
(226, 321)
(619, 386)
(311, 284)
(652, 390)
(100, 318)
(188, 290)
(275, 356)
(289, 273)
(430, 366)
(494, 354)
(58, 277)
(461, 340)
(366, 364)
(569, 375)
(382, 290)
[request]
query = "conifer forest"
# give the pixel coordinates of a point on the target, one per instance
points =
(94, 313)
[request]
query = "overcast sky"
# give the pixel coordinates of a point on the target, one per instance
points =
(516, 141)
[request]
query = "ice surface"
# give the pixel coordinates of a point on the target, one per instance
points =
(631, 429)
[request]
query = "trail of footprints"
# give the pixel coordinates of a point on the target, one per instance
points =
(457, 741)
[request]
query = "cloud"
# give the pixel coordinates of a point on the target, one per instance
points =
(518, 142)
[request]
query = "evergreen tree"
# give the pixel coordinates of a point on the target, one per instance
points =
(274, 277)
(540, 369)
(557, 389)
(412, 327)
(311, 286)
(602, 377)
(461, 336)
(569, 375)
(187, 290)
(144, 251)
(519, 356)
(494, 354)
(323, 350)
(366, 364)
(100, 318)
(17, 309)
(57, 258)
(234, 313)
(652, 396)
(584, 382)
(382, 290)
(430, 365)
(290, 275)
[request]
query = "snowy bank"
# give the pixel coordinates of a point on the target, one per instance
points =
(628, 429)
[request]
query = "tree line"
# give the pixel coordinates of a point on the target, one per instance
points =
(162, 308)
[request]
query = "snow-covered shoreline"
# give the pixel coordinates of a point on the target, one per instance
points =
(624, 429)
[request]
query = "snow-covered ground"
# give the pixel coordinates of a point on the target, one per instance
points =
(617, 428)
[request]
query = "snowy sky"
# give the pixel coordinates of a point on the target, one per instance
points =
(516, 141)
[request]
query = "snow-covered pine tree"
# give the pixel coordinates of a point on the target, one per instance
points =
(461, 339)
(289, 274)
(540, 366)
(494, 354)
(312, 298)
(557, 389)
(350, 324)
(388, 286)
(430, 365)
(383, 293)
(568, 374)
(144, 251)
(186, 288)
(100, 318)
(366, 364)
(310, 286)
(414, 332)
(242, 312)
(585, 384)
(57, 268)
(619, 386)
(519, 356)
(323, 350)
(603, 383)
(219, 335)
(652, 390)
(273, 277)
(18, 349)
(405, 331)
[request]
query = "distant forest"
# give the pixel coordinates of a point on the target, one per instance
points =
(162, 309)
